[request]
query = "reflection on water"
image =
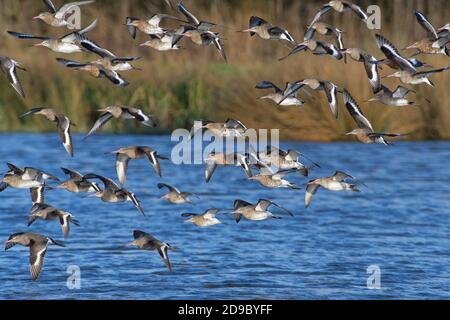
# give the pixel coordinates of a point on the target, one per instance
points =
(399, 222)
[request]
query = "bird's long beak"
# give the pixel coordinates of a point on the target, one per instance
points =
(36, 17)
(37, 44)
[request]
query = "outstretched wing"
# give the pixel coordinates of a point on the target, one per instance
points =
(391, 52)
(356, 112)
(426, 24)
(104, 118)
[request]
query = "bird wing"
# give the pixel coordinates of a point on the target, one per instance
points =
(95, 48)
(240, 204)
(401, 92)
(341, 176)
(109, 184)
(157, 18)
(355, 112)
(171, 188)
(71, 63)
(191, 18)
(430, 72)
(11, 75)
(220, 48)
(256, 21)
(114, 77)
(135, 201)
(122, 166)
(37, 254)
(372, 72)
(331, 93)
(163, 253)
(234, 124)
(311, 190)
(426, 24)
(209, 170)
(326, 8)
(356, 9)
(152, 156)
(27, 36)
(63, 124)
(72, 173)
(100, 122)
(140, 116)
(37, 194)
(296, 49)
(391, 52)
(267, 85)
(210, 213)
(50, 6)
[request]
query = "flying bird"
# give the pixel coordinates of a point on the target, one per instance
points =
(394, 98)
(77, 183)
(256, 212)
(9, 68)
(62, 122)
(336, 182)
(96, 70)
(146, 241)
(73, 42)
(318, 48)
(208, 218)
(123, 156)
(341, 7)
(365, 132)
(150, 26)
(122, 112)
(267, 31)
(58, 17)
(38, 245)
(215, 159)
(331, 90)
(370, 65)
(290, 100)
(47, 212)
(175, 196)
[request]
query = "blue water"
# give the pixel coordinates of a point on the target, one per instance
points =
(400, 222)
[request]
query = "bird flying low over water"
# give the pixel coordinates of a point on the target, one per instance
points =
(146, 241)
(394, 98)
(38, 245)
(256, 212)
(27, 178)
(175, 196)
(58, 17)
(318, 48)
(208, 218)
(331, 90)
(9, 68)
(365, 132)
(434, 43)
(150, 26)
(96, 70)
(267, 31)
(62, 122)
(341, 7)
(112, 192)
(370, 65)
(70, 43)
(284, 160)
(123, 156)
(277, 96)
(334, 183)
(122, 112)
(46, 212)
(77, 183)
(215, 159)
(270, 178)
(229, 128)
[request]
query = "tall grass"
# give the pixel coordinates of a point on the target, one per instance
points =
(181, 86)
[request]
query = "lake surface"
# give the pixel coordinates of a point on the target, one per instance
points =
(399, 223)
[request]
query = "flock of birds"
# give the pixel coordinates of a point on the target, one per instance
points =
(273, 164)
